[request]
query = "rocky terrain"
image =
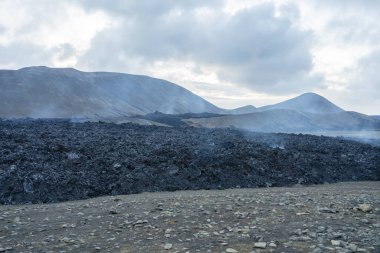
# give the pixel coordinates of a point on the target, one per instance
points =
(342, 217)
(56, 160)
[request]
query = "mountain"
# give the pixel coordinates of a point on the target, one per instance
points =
(42, 92)
(267, 121)
(65, 92)
(307, 102)
(283, 120)
(242, 110)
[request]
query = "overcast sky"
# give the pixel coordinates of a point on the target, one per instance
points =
(232, 52)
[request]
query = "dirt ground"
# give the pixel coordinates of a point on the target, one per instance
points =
(343, 217)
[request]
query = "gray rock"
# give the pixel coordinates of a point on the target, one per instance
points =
(113, 211)
(365, 208)
(168, 246)
(273, 245)
(352, 247)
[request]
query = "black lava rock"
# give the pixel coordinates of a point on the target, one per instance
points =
(55, 160)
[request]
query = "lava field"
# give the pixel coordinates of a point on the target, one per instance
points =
(44, 161)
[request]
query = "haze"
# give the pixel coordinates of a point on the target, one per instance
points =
(232, 52)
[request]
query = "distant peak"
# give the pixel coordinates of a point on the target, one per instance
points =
(34, 67)
(44, 68)
(310, 94)
(246, 107)
(306, 102)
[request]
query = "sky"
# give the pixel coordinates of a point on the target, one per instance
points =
(230, 52)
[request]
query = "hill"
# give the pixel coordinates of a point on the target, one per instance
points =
(42, 92)
(282, 120)
(242, 110)
(307, 102)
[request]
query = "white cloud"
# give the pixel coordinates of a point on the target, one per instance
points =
(48, 26)
(253, 47)
(232, 52)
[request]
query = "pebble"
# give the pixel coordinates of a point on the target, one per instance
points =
(352, 247)
(168, 246)
(231, 250)
(260, 245)
(272, 244)
(365, 208)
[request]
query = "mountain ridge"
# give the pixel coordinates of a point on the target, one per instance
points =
(66, 92)
(285, 120)
(306, 102)
(43, 92)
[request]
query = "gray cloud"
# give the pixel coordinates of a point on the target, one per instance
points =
(367, 79)
(66, 50)
(355, 21)
(145, 8)
(253, 48)
(27, 53)
(349, 4)
(2, 29)
(362, 91)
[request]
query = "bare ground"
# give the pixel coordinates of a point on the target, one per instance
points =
(322, 218)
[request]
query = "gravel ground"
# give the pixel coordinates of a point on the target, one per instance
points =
(46, 161)
(343, 217)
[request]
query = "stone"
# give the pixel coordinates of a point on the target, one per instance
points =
(365, 208)
(231, 250)
(139, 222)
(321, 229)
(168, 246)
(117, 165)
(335, 243)
(273, 245)
(298, 232)
(327, 210)
(300, 238)
(302, 213)
(352, 247)
(260, 245)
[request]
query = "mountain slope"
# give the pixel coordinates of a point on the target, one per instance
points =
(307, 102)
(242, 110)
(282, 120)
(49, 92)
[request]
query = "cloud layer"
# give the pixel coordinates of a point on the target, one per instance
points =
(253, 48)
(265, 50)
